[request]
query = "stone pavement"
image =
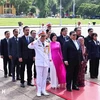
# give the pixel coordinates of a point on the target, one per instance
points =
(12, 91)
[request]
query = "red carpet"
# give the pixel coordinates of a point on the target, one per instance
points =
(90, 92)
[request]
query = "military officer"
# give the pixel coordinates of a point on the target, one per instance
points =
(41, 48)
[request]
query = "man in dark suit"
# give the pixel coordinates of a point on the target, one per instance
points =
(63, 37)
(72, 58)
(33, 35)
(78, 32)
(26, 56)
(13, 54)
(4, 54)
(87, 40)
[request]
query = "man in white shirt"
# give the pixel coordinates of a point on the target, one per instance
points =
(41, 48)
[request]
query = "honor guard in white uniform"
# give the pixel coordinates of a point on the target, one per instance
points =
(42, 59)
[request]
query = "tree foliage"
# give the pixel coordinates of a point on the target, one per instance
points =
(2, 2)
(88, 9)
(49, 7)
(22, 5)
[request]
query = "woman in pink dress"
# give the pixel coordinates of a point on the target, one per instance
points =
(57, 59)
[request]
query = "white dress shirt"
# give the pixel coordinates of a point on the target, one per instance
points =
(76, 44)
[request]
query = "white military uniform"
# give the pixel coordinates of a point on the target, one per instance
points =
(42, 63)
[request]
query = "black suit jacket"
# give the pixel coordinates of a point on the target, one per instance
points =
(4, 47)
(87, 39)
(79, 36)
(13, 47)
(94, 49)
(70, 51)
(61, 39)
(24, 51)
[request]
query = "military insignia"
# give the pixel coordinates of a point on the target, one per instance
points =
(46, 49)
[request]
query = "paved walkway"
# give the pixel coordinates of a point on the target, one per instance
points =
(12, 91)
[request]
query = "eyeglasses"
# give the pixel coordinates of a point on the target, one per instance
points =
(74, 35)
(95, 35)
(33, 33)
(16, 31)
(26, 30)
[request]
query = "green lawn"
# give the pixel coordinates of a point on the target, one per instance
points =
(39, 21)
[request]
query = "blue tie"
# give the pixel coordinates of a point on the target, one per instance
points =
(27, 38)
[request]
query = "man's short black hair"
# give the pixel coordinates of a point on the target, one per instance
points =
(32, 31)
(14, 30)
(71, 33)
(6, 32)
(76, 28)
(25, 27)
(90, 29)
(47, 30)
(64, 28)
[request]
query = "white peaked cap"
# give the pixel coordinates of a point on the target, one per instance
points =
(42, 31)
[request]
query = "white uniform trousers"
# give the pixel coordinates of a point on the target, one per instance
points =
(42, 73)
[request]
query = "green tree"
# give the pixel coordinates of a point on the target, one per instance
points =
(2, 2)
(22, 5)
(33, 10)
(42, 5)
(53, 6)
(88, 9)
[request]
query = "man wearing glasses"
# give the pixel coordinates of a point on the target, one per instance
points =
(72, 58)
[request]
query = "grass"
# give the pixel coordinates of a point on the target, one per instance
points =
(39, 21)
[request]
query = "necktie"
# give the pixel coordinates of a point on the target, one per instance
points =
(65, 38)
(27, 38)
(43, 44)
(16, 39)
(7, 40)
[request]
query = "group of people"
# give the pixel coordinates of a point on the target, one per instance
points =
(61, 58)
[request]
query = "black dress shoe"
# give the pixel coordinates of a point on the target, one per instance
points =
(70, 90)
(5, 76)
(96, 77)
(30, 84)
(10, 75)
(75, 88)
(18, 79)
(92, 77)
(22, 85)
(13, 80)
